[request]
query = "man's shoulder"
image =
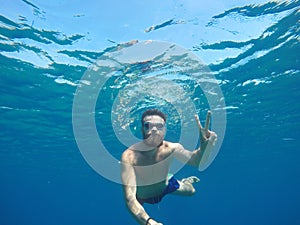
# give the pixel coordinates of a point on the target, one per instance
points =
(169, 147)
(172, 145)
(130, 154)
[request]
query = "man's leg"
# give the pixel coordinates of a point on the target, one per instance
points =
(186, 187)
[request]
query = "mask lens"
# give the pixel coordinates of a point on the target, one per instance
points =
(149, 126)
(159, 126)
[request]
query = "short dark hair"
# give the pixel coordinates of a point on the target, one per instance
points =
(153, 112)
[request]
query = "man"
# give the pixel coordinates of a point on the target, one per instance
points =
(145, 165)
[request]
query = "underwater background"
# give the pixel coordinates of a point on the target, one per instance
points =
(251, 48)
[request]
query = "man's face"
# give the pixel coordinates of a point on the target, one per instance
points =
(153, 130)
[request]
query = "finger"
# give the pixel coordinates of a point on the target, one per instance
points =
(208, 116)
(198, 122)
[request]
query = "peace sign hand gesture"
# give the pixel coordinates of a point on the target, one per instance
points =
(206, 136)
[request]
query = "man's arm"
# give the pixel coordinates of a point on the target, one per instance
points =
(129, 188)
(207, 141)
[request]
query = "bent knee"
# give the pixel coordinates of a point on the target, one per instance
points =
(192, 191)
(186, 189)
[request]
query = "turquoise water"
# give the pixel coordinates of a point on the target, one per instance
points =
(252, 50)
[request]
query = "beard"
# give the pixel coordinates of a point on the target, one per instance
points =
(153, 140)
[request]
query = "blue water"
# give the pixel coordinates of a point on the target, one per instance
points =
(252, 49)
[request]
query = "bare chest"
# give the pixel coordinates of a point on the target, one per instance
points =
(152, 169)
